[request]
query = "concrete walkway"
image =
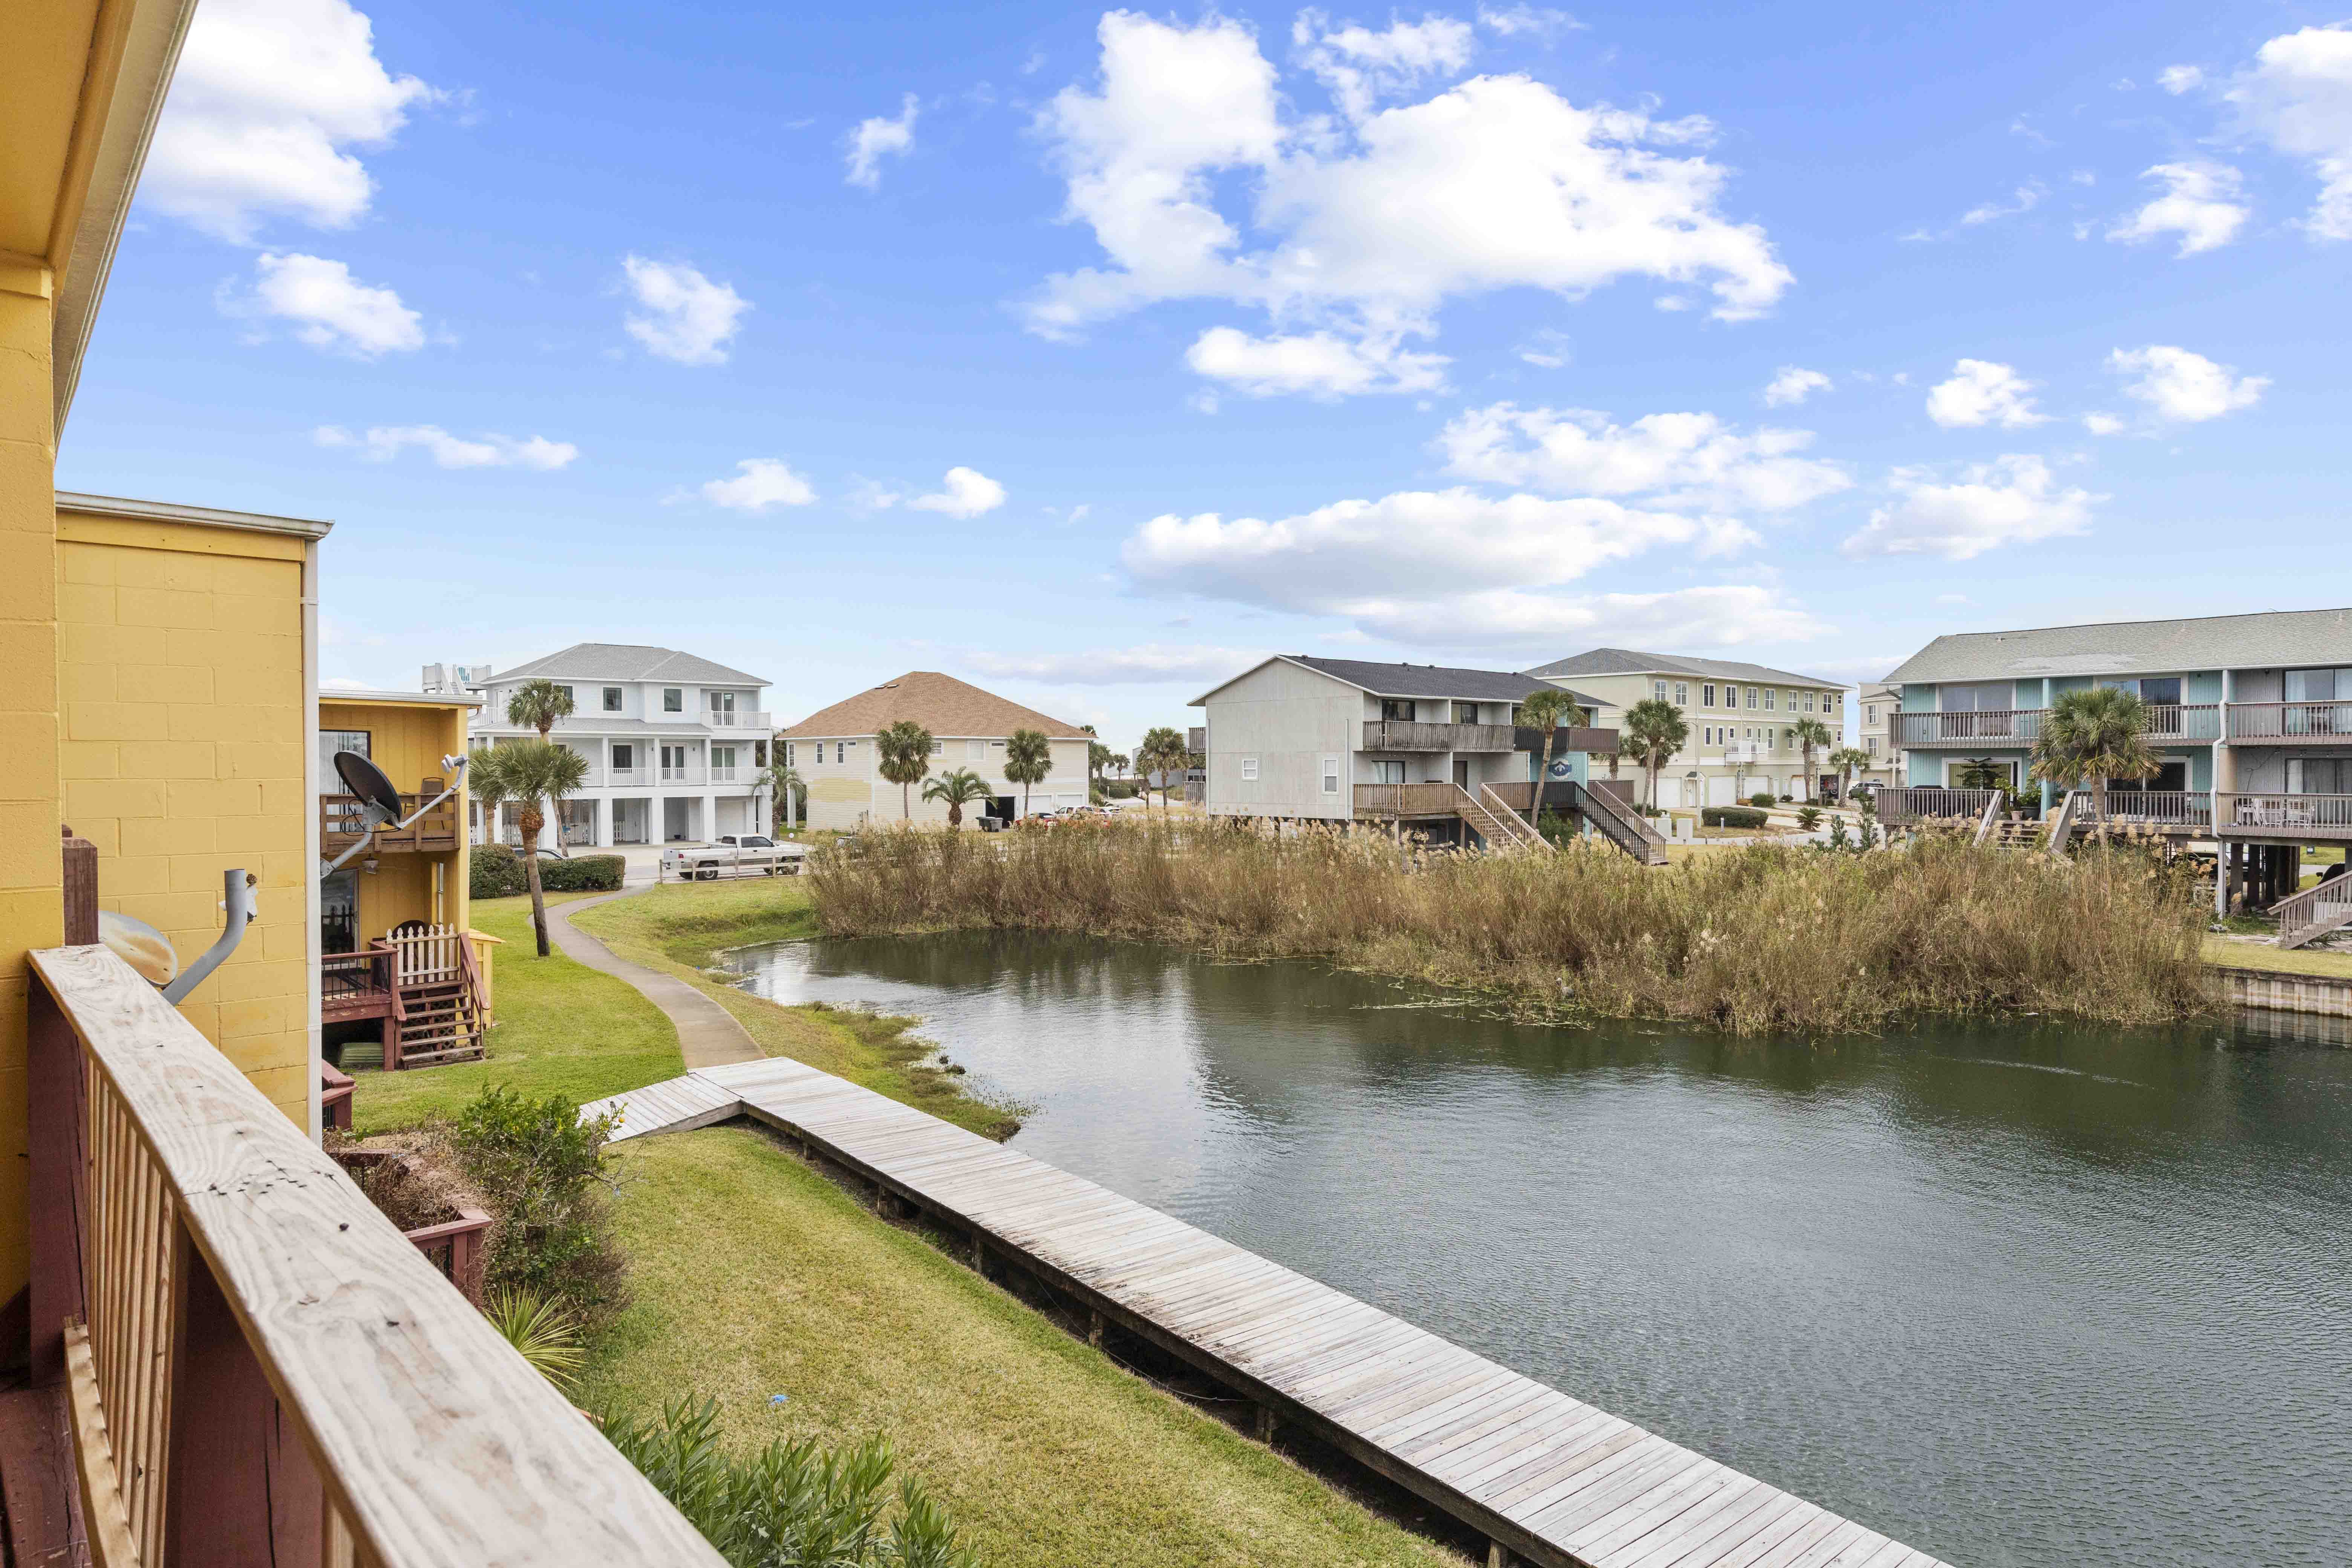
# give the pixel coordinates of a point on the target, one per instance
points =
(707, 1033)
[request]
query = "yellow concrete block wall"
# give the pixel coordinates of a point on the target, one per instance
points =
(31, 875)
(182, 749)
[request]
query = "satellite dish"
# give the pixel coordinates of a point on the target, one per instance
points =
(140, 946)
(364, 779)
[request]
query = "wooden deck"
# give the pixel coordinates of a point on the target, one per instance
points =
(1545, 1476)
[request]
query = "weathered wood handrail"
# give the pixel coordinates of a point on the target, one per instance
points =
(1898, 807)
(2312, 912)
(2322, 722)
(280, 1375)
(436, 830)
(2277, 811)
(2000, 727)
(1406, 735)
(1405, 799)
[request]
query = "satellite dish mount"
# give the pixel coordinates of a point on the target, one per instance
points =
(380, 801)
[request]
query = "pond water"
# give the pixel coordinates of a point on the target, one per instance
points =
(2028, 1294)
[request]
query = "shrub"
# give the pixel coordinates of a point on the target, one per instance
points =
(1730, 817)
(1809, 817)
(1756, 939)
(497, 873)
(538, 1166)
(792, 1504)
(1761, 797)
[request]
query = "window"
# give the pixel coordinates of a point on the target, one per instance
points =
(1658, 689)
(938, 747)
(1706, 695)
(719, 702)
(1388, 773)
(1870, 744)
(1393, 710)
(329, 742)
(1809, 702)
(612, 700)
(2318, 685)
(722, 757)
(1465, 712)
(791, 753)
(1995, 698)
(840, 750)
(1751, 697)
(1330, 775)
(1681, 694)
(758, 753)
(624, 756)
(2319, 775)
(673, 699)
(1769, 695)
(1869, 712)
(673, 762)
(567, 692)
(975, 751)
(1249, 770)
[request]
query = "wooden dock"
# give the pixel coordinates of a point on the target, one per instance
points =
(1547, 1478)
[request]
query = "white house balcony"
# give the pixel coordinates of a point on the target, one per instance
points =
(1746, 752)
(629, 776)
(691, 774)
(724, 718)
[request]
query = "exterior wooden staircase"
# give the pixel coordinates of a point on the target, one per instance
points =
(1485, 814)
(1622, 826)
(437, 996)
(2314, 913)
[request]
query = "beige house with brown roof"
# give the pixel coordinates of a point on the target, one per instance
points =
(834, 752)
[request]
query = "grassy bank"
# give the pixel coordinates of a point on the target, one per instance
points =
(680, 928)
(1756, 939)
(560, 1027)
(2283, 960)
(753, 1276)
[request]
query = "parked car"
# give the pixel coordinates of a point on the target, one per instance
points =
(735, 856)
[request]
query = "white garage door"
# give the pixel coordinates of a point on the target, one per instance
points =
(1718, 790)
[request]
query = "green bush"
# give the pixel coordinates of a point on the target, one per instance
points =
(792, 1504)
(1730, 817)
(1763, 798)
(540, 1167)
(497, 873)
(1809, 817)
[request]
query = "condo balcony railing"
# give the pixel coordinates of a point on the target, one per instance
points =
(639, 775)
(2000, 727)
(730, 718)
(2325, 818)
(690, 773)
(1431, 799)
(1405, 735)
(2325, 723)
(256, 1363)
(341, 824)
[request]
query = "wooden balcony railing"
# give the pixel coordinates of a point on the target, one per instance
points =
(2004, 727)
(258, 1366)
(2320, 817)
(1899, 806)
(436, 830)
(2150, 807)
(1404, 735)
(2326, 723)
(1406, 799)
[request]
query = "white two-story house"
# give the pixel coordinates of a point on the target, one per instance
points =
(677, 746)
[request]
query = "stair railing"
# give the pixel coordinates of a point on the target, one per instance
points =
(1629, 828)
(2312, 912)
(1517, 831)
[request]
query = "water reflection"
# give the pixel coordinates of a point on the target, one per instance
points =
(2018, 1294)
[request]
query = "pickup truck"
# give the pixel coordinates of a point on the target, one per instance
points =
(734, 855)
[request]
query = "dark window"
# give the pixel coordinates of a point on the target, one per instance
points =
(625, 754)
(673, 699)
(1396, 709)
(1465, 712)
(612, 700)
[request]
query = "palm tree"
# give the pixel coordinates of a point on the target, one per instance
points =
(2090, 737)
(1099, 757)
(1028, 758)
(1163, 752)
(531, 772)
(1653, 731)
(485, 785)
(792, 790)
(1812, 735)
(905, 749)
(536, 705)
(1848, 761)
(1543, 710)
(957, 789)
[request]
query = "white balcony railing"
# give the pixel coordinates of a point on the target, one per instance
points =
(629, 776)
(725, 719)
(231, 1318)
(727, 774)
(691, 774)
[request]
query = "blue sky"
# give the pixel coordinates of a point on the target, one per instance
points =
(1088, 354)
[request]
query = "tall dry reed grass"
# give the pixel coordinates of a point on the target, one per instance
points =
(1756, 939)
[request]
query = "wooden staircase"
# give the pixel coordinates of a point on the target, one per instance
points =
(436, 1005)
(1623, 827)
(1485, 814)
(2314, 913)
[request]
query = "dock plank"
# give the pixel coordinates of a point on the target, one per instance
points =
(1554, 1480)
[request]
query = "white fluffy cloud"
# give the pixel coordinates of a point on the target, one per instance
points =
(2010, 500)
(268, 99)
(1512, 621)
(2298, 97)
(685, 316)
(1687, 461)
(330, 308)
(2184, 387)
(2200, 204)
(1793, 385)
(966, 493)
(879, 138)
(1318, 364)
(1366, 223)
(1119, 666)
(2178, 80)
(382, 443)
(759, 484)
(1981, 392)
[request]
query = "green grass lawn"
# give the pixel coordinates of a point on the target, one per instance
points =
(561, 1026)
(2290, 959)
(754, 1275)
(679, 927)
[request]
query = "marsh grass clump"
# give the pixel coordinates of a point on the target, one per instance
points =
(1761, 939)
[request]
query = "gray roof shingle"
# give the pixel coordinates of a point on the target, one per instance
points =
(1626, 662)
(2271, 639)
(1433, 680)
(627, 661)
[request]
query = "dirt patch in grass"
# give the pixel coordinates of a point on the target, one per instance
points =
(754, 1275)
